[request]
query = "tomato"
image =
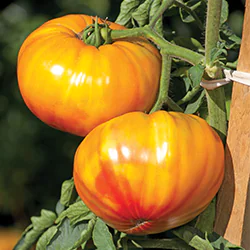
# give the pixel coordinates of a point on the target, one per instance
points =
(73, 86)
(144, 174)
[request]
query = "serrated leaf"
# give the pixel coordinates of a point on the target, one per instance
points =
(154, 8)
(126, 10)
(46, 238)
(218, 52)
(67, 191)
(85, 234)
(199, 240)
(141, 15)
(224, 12)
(67, 236)
(195, 74)
(34, 231)
(76, 212)
(102, 238)
(44, 221)
(193, 106)
(231, 40)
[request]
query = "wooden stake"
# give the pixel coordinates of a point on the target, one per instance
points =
(233, 207)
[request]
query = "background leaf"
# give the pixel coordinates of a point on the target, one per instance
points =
(67, 236)
(34, 231)
(126, 10)
(76, 212)
(194, 105)
(102, 238)
(68, 192)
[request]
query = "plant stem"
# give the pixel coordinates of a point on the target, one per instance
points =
(190, 94)
(173, 105)
(166, 47)
(215, 98)
(165, 5)
(164, 83)
(212, 28)
(216, 101)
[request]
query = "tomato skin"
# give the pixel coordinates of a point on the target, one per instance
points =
(144, 174)
(74, 87)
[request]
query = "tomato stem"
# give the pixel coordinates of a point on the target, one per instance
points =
(97, 34)
(164, 82)
(164, 86)
(167, 47)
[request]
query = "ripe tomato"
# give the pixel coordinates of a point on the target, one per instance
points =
(74, 87)
(144, 174)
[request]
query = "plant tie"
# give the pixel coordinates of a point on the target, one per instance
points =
(230, 75)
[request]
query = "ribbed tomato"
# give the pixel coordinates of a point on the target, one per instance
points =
(73, 86)
(144, 174)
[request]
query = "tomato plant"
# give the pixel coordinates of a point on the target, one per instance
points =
(149, 173)
(73, 86)
(144, 172)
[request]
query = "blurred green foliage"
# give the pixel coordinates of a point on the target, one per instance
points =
(34, 158)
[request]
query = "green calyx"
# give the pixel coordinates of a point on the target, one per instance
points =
(97, 34)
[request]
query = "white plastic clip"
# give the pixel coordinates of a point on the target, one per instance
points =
(230, 75)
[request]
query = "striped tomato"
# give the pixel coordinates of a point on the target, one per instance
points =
(144, 174)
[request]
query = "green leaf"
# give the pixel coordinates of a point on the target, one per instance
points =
(126, 10)
(46, 238)
(199, 243)
(205, 221)
(59, 208)
(231, 40)
(141, 15)
(85, 234)
(67, 191)
(76, 212)
(188, 10)
(218, 242)
(199, 240)
(102, 238)
(193, 106)
(67, 236)
(188, 42)
(195, 74)
(224, 12)
(218, 52)
(34, 231)
(154, 8)
(44, 221)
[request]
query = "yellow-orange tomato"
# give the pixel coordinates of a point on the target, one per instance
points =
(74, 87)
(144, 174)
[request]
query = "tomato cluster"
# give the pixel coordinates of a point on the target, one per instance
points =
(140, 173)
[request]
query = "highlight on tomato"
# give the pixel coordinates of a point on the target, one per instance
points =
(73, 86)
(144, 174)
